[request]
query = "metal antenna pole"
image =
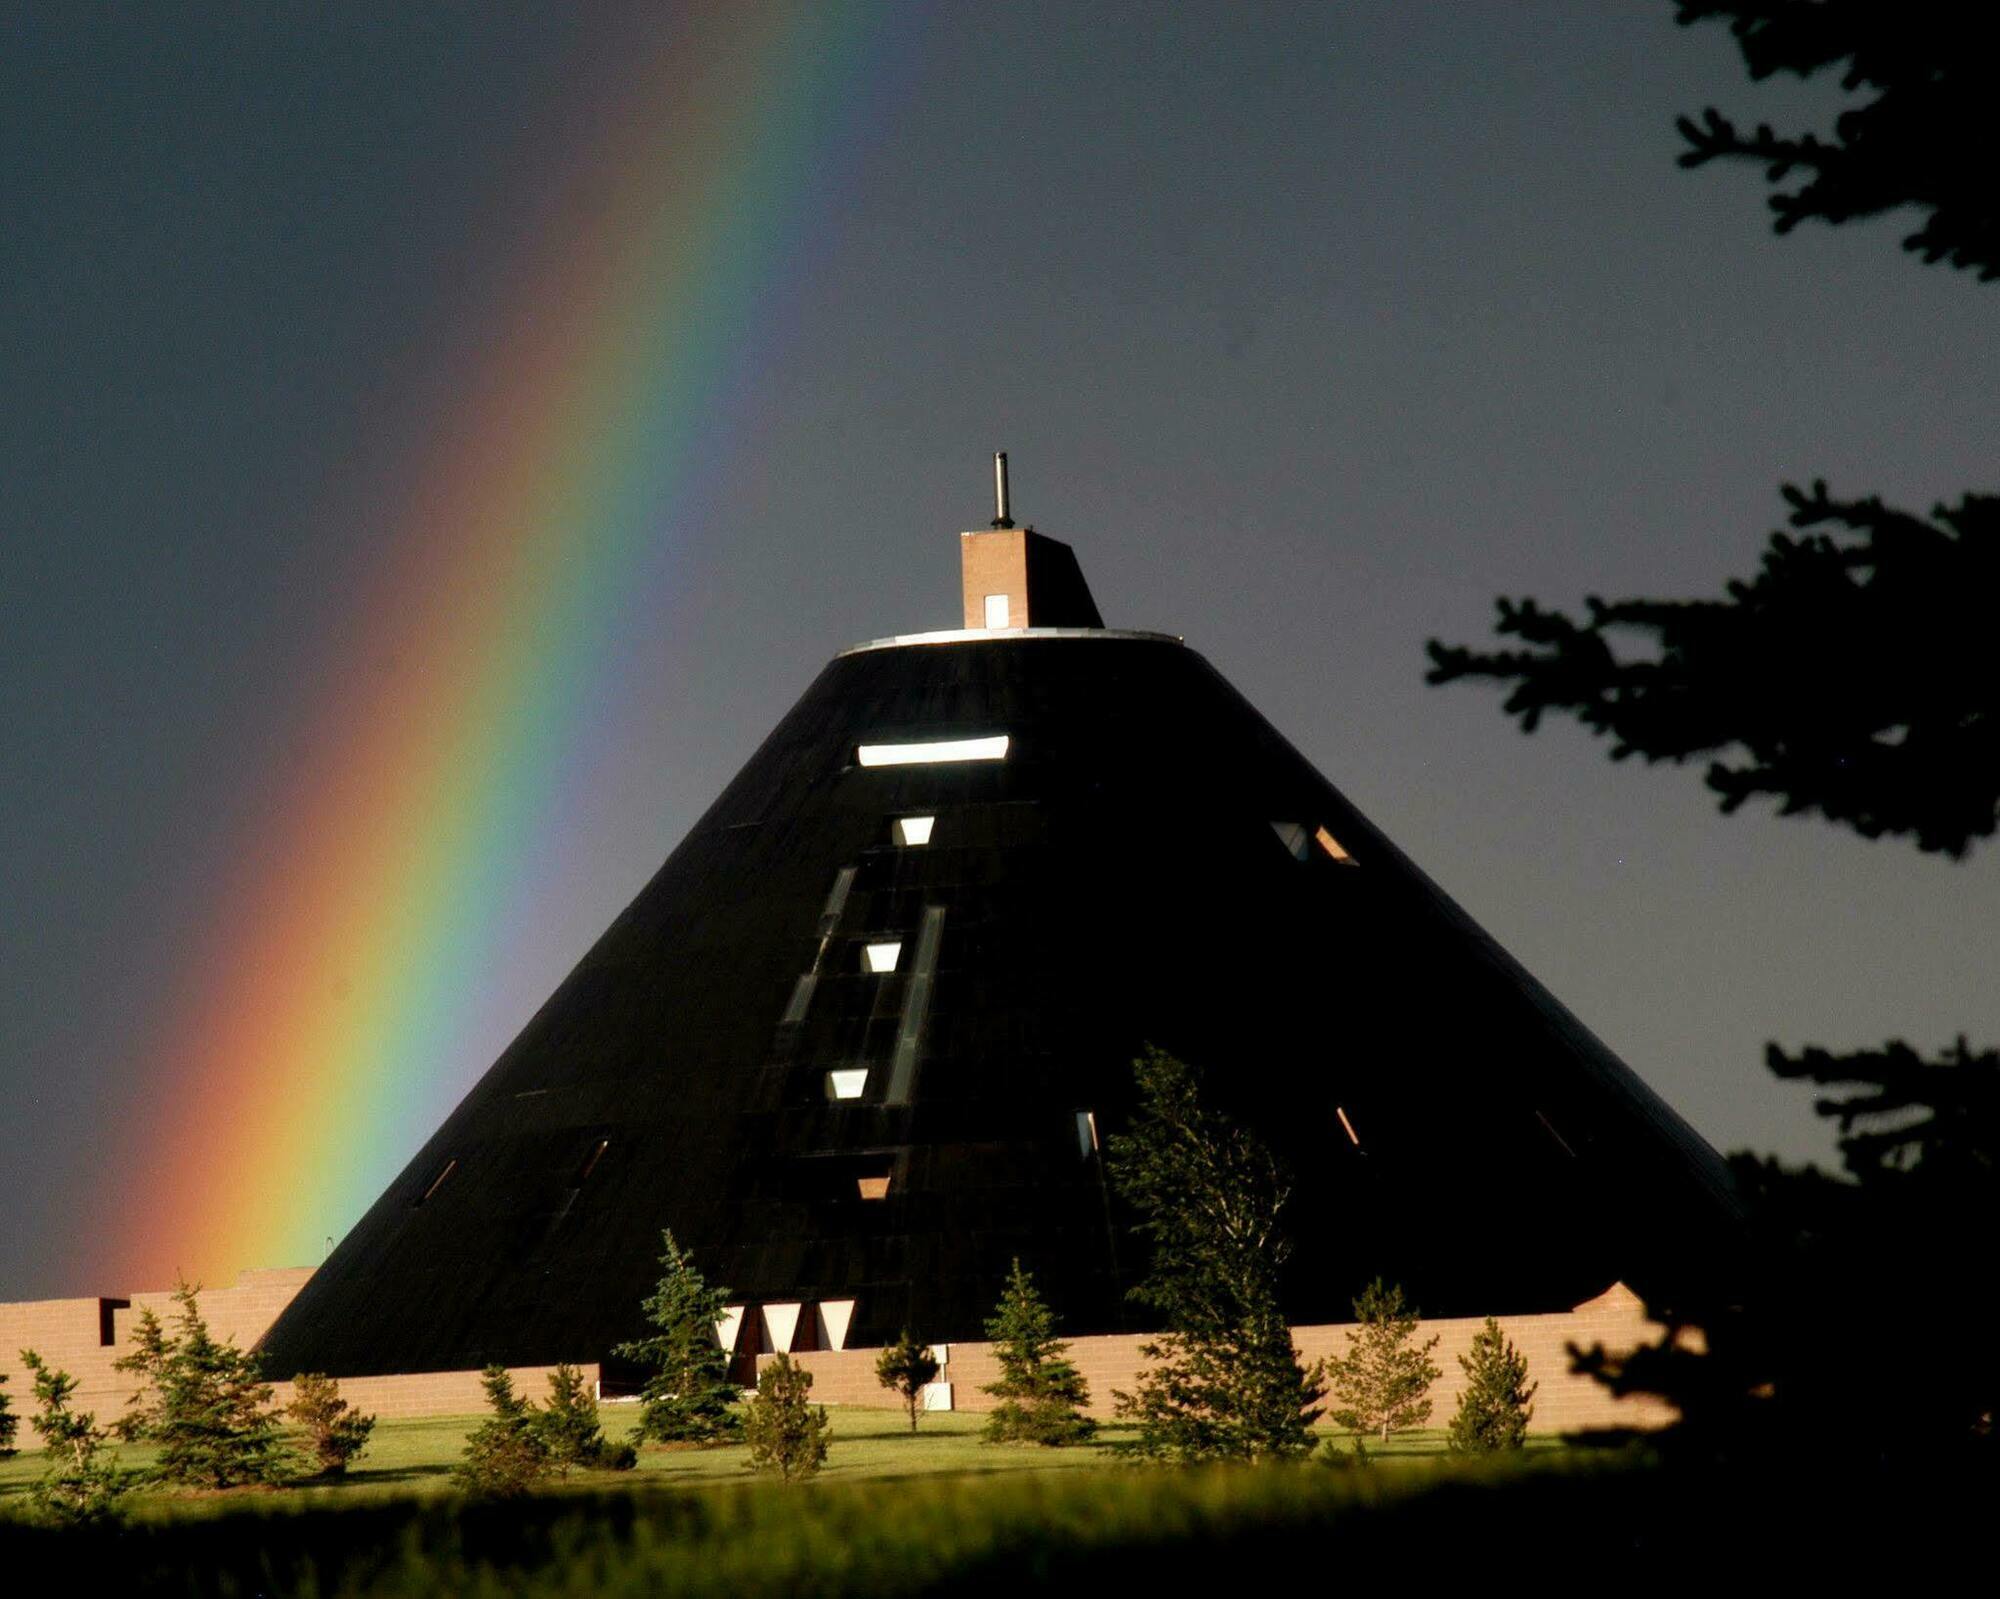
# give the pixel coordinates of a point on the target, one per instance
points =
(1000, 516)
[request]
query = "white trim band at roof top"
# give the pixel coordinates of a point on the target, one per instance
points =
(936, 752)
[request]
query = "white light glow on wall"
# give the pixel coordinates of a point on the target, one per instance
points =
(934, 752)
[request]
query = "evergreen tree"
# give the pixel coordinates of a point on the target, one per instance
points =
(906, 1366)
(1381, 1384)
(689, 1398)
(1042, 1396)
(79, 1483)
(8, 1421)
(506, 1454)
(1224, 1382)
(570, 1427)
(1851, 676)
(1495, 1407)
(203, 1401)
(787, 1434)
(335, 1431)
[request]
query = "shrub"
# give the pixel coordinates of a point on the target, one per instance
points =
(1381, 1384)
(506, 1454)
(1042, 1395)
(79, 1484)
(1494, 1410)
(203, 1401)
(570, 1428)
(335, 1431)
(786, 1434)
(906, 1366)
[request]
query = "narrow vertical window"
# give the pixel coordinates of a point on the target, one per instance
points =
(1331, 845)
(437, 1182)
(836, 900)
(916, 1005)
(1086, 1134)
(590, 1162)
(1353, 1137)
(795, 1007)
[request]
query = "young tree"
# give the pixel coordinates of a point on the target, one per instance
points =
(335, 1431)
(506, 1455)
(1224, 1381)
(906, 1366)
(1495, 1407)
(8, 1421)
(787, 1434)
(571, 1430)
(689, 1398)
(1850, 677)
(79, 1484)
(1042, 1396)
(203, 1401)
(1381, 1384)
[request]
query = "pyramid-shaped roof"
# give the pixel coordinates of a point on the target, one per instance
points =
(860, 1039)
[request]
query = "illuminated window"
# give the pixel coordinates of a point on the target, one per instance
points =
(934, 752)
(1294, 837)
(914, 830)
(1353, 1137)
(996, 610)
(872, 1187)
(1331, 845)
(437, 1182)
(1086, 1133)
(846, 1084)
(881, 957)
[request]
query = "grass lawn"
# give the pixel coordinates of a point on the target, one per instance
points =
(416, 1457)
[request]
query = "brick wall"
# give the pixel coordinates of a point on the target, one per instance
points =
(1615, 1318)
(69, 1333)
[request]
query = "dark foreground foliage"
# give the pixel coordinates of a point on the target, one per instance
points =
(1176, 1529)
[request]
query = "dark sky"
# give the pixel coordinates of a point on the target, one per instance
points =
(1311, 327)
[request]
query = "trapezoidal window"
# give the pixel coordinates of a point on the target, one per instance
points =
(873, 1187)
(934, 752)
(911, 831)
(848, 1083)
(881, 957)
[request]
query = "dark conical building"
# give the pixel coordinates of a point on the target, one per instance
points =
(860, 1040)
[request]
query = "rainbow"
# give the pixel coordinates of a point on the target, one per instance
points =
(321, 1036)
